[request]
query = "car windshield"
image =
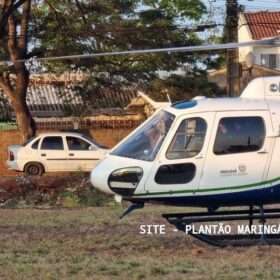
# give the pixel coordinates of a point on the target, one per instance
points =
(146, 142)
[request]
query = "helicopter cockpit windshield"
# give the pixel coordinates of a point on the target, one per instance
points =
(146, 142)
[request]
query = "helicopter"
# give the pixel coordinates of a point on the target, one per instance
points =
(206, 152)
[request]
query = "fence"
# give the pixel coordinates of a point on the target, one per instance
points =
(70, 125)
(88, 124)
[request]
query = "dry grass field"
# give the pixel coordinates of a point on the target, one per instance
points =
(92, 243)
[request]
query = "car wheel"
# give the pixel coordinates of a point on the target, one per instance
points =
(33, 169)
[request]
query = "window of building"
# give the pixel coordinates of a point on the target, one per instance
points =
(188, 140)
(271, 61)
(52, 143)
(77, 144)
(175, 173)
(239, 135)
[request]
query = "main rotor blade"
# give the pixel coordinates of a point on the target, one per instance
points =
(264, 42)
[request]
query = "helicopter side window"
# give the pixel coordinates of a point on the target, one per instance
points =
(181, 173)
(188, 140)
(239, 135)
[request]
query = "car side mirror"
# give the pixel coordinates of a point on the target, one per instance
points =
(92, 148)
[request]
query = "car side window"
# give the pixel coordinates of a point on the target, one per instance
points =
(35, 144)
(188, 140)
(52, 143)
(77, 144)
(239, 135)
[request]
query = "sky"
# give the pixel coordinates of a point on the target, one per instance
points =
(217, 9)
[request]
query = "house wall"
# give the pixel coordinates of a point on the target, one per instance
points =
(220, 76)
(258, 51)
(244, 35)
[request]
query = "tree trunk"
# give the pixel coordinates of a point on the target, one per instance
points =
(17, 27)
(26, 123)
(17, 97)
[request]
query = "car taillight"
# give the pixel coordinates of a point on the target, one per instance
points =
(11, 156)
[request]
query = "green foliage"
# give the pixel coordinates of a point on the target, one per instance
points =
(69, 199)
(184, 87)
(6, 124)
(25, 204)
(89, 196)
(192, 9)
(69, 27)
(10, 203)
(158, 270)
(5, 109)
(79, 27)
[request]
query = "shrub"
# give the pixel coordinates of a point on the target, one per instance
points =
(89, 196)
(69, 199)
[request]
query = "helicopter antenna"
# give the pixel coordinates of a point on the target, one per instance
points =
(273, 41)
(168, 98)
(155, 104)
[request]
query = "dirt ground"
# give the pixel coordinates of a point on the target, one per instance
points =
(93, 243)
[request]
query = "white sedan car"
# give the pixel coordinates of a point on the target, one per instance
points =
(50, 152)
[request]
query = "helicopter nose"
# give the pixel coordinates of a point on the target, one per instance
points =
(99, 179)
(115, 176)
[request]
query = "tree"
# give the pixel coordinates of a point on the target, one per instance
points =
(79, 27)
(14, 41)
(184, 86)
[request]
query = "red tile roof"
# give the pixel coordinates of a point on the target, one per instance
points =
(263, 24)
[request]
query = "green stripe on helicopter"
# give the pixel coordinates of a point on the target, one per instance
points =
(210, 190)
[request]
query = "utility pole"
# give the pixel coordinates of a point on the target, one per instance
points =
(231, 35)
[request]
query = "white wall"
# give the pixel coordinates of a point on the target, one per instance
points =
(264, 50)
(244, 35)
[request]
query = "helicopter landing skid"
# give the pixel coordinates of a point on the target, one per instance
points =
(186, 222)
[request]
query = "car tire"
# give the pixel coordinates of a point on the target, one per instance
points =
(34, 169)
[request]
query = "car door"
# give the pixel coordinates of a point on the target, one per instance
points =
(53, 154)
(238, 153)
(178, 168)
(82, 155)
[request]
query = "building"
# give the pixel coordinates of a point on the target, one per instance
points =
(256, 26)
(50, 95)
(220, 76)
(53, 101)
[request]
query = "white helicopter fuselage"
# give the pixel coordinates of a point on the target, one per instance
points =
(206, 152)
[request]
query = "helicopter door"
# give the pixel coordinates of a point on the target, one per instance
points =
(179, 165)
(237, 157)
